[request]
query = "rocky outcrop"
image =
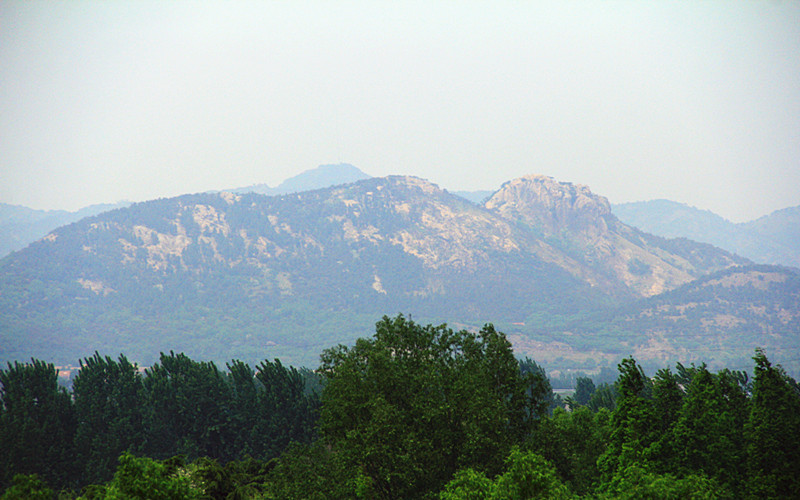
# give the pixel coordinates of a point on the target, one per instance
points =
(552, 207)
(581, 225)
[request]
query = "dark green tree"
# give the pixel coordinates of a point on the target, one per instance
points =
(188, 409)
(540, 391)
(772, 433)
(584, 388)
(667, 403)
(37, 425)
(604, 396)
(572, 442)
(245, 412)
(235, 480)
(708, 433)
(413, 404)
(109, 407)
(285, 412)
(315, 472)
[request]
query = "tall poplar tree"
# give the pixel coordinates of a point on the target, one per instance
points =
(37, 424)
(772, 433)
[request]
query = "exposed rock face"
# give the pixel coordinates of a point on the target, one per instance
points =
(552, 206)
(580, 224)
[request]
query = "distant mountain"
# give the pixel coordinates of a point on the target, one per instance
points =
(20, 226)
(779, 236)
(317, 178)
(477, 197)
(224, 275)
(772, 239)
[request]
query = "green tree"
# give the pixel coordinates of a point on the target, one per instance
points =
(37, 424)
(145, 479)
(540, 392)
(235, 480)
(708, 433)
(413, 404)
(584, 388)
(667, 403)
(633, 424)
(604, 396)
(27, 487)
(527, 476)
(772, 433)
(109, 408)
(315, 472)
(572, 442)
(188, 409)
(285, 412)
(636, 482)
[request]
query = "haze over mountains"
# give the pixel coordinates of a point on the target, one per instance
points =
(20, 226)
(246, 275)
(772, 239)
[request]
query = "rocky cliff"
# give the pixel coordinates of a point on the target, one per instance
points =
(580, 224)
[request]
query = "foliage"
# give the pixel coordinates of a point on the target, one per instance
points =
(413, 404)
(109, 407)
(573, 442)
(142, 478)
(584, 389)
(412, 412)
(527, 475)
(772, 433)
(27, 487)
(636, 482)
(37, 424)
(315, 472)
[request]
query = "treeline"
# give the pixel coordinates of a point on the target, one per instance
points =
(411, 412)
(177, 407)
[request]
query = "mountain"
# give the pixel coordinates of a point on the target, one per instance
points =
(772, 239)
(582, 226)
(317, 178)
(778, 236)
(477, 197)
(249, 276)
(20, 226)
(718, 317)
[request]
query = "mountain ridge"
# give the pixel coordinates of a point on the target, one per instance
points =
(771, 239)
(247, 275)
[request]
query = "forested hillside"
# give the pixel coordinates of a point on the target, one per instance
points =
(412, 411)
(20, 226)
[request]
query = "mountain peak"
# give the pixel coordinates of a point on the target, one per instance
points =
(549, 205)
(321, 177)
(316, 178)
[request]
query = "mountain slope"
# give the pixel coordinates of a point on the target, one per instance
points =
(223, 275)
(581, 224)
(20, 226)
(772, 239)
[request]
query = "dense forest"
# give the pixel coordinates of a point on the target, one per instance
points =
(412, 412)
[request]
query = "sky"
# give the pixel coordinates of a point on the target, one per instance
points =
(696, 102)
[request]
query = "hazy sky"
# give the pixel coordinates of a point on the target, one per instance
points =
(698, 102)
